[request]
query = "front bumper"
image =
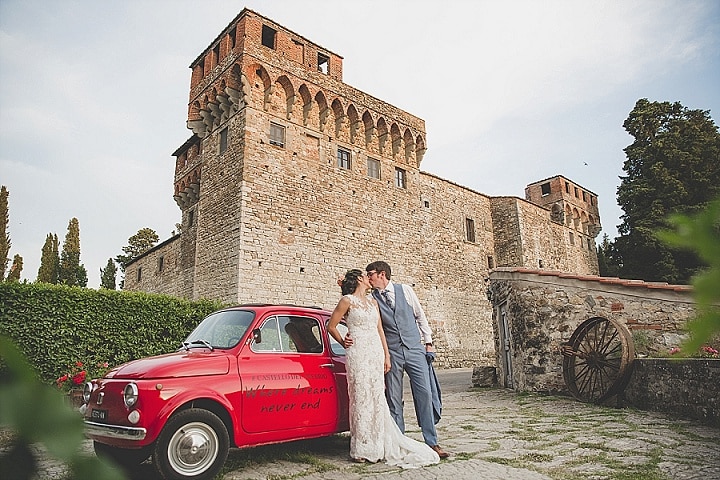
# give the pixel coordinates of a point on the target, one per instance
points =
(94, 429)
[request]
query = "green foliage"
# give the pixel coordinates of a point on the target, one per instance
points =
(701, 233)
(673, 166)
(141, 242)
(15, 269)
(108, 275)
(4, 235)
(56, 326)
(608, 263)
(71, 272)
(37, 413)
(50, 260)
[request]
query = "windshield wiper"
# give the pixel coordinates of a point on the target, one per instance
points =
(204, 343)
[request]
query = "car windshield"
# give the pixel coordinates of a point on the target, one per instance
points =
(222, 329)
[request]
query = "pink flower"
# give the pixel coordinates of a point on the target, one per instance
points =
(674, 350)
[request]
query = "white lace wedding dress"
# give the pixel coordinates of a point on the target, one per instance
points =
(374, 434)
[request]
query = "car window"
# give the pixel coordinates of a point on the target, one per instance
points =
(289, 334)
(222, 329)
(337, 348)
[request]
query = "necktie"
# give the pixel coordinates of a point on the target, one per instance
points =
(386, 296)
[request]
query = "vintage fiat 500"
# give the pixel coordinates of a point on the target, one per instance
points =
(246, 376)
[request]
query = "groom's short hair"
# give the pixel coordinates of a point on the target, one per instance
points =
(380, 266)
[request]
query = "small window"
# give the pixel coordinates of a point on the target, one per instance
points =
(470, 230)
(590, 245)
(577, 195)
(400, 178)
(343, 158)
(277, 135)
(191, 218)
(567, 187)
(545, 189)
(161, 263)
(572, 239)
(268, 37)
(373, 167)
(540, 263)
(139, 274)
(223, 140)
(231, 35)
(323, 63)
(491, 262)
(584, 197)
(592, 200)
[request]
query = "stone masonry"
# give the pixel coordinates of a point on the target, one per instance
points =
(292, 176)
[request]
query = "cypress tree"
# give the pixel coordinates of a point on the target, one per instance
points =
(50, 260)
(108, 274)
(71, 272)
(15, 269)
(4, 235)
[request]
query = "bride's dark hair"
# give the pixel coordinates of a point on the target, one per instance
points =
(349, 282)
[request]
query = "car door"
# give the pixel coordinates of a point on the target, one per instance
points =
(287, 378)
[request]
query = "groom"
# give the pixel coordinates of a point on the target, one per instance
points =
(404, 323)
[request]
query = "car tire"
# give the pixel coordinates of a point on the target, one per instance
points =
(193, 445)
(123, 457)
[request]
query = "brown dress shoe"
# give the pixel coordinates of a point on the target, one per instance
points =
(441, 453)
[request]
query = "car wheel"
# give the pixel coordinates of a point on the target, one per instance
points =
(193, 445)
(123, 457)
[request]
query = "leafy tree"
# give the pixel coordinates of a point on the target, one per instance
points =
(71, 271)
(50, 260)
(141, 242)
(673, 166)
(608, 261)
(4, 235)
(108, 274)
(15, 269)
(701, 233)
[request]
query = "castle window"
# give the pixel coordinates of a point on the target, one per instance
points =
(373, 167)
(491, 262)
(323, 63)
(577, 195)
(139, 274)
(277, 135)
(545, 189)
(590, 245)
(343, 159)
(470, 230)
(268, 37)
(231, 35)
(572, 239)
(567, 187)
(223, 140)
(400, 178)
(592, 200)
(584, 197)
(161, 263)
(191, 218)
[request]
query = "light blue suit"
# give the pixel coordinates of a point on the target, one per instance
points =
(407, 354)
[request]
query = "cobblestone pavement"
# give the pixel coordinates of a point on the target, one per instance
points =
(496, 434)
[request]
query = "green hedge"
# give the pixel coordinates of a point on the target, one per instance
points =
(55, 326)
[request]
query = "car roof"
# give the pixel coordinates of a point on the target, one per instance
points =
(283, 307)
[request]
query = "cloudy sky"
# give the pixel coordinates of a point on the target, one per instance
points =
(93, 95)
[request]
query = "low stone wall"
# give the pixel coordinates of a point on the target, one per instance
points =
(687, 387)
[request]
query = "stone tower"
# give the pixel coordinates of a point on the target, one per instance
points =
(291, 176)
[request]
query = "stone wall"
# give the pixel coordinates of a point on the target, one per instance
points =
(541, 309)
(686, 387)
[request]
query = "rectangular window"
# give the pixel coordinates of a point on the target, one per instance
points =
(491, 262)
(567, 187)
(576, 193)
(590, 245)
(191, 218)
(323, 63)
(400, 178)
(277, 135)
(161, 263)
(545, 189)
(343, 159)
(268, 37)
(572, 239)
(223, 140)
(373, 167)
(470, 230)
(139, 274)
(584, 197)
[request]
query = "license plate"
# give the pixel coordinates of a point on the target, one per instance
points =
(98, 414)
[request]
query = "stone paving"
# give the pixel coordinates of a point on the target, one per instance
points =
(496, 434)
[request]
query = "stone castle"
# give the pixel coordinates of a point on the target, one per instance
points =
(291, 177)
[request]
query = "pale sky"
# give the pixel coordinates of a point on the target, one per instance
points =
(93, 95)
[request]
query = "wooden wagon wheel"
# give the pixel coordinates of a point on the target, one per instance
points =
(597, 359)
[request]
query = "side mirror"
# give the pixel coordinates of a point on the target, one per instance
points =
(256, 336)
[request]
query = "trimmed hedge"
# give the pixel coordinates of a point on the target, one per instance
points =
(55, 326)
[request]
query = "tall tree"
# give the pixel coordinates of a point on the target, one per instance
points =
(607, 258)
(108, 275)
(673, 166)
(4, 235)
(141, 242)
(71, 272)
(50, 260)
(15, 269)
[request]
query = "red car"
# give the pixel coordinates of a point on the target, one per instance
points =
(246, 376)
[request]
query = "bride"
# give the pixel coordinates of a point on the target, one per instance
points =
(374, 435)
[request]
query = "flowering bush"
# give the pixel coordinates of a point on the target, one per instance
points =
(706, 351)
(79, 374)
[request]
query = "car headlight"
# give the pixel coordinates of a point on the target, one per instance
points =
(130, 395)
(87, 390)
